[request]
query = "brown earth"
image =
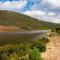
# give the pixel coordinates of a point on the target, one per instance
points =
(53, 49)
(9, 28)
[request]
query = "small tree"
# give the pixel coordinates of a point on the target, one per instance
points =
(34, 54)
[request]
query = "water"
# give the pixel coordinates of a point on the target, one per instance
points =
(27, 36)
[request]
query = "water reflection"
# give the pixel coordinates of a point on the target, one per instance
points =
(27, 36)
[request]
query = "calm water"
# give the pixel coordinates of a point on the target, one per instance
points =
(27, 36)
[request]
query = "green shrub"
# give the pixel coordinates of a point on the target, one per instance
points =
(22, 50)
(13, 52)
(4, 57)
(13, 56)
(34, 54)
(41, 46)
(44, 40)
(17, 51)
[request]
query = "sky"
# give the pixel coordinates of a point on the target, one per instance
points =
(47, 10)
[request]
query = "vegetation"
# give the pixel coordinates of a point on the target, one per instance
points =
(8, 18)
(13, 51)
(40, 44)
(57, 30)
(20, 51)
(34, 54)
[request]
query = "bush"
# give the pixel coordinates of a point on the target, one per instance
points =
(13, 52)
(57, 30)
(44, 40)
(13, 56)
(34, 54)
(24, 57)
(41, 46)
(4, 57)
(22, 50)
(16, 51)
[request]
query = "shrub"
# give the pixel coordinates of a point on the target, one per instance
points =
(4, 57)
(44, 40)
(13, 52)
(13, 56)
(22, 50)
(57, 30)
(41, 46)
(34, 54)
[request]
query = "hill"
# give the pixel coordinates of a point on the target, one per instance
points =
(18, 47)
(23, 22)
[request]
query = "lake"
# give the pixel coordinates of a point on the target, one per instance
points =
(27, 36)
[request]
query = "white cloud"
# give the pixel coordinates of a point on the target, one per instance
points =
(52, 19)
(56, 20)
(36, 12)
(51, 14)
(14, 4)
(42, 15)
(55, 3)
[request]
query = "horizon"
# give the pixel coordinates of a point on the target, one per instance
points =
(40, 9)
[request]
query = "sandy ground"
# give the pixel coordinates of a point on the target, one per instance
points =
(53, 49)
(9, 28)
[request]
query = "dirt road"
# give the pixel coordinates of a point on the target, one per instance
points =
(53, 49)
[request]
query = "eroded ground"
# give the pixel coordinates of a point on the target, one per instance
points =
(9, 29)
(53, 49)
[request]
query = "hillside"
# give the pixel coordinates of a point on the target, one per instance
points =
(23, 22)
(24, 46)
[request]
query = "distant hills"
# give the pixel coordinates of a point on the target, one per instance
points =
(23, 22)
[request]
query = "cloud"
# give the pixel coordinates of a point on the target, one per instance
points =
(14, 4)
(42, 15)
(35, 12)
(55, 3)
(51, 14)
(47, 10)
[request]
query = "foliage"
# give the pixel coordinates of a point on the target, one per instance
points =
(34, 54)
(13, 52)
(57, 30)
(18, 51)
(40, 44)
(8, 18)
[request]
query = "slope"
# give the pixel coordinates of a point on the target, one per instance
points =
(9, 18)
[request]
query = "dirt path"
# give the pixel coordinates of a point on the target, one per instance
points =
(53, 49)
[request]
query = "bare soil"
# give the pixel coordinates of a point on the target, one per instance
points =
(53, 49)
(9, 28)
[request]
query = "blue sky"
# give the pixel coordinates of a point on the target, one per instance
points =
(47, 10)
